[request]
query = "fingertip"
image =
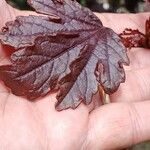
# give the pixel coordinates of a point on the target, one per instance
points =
(119, 125)
(7, 13)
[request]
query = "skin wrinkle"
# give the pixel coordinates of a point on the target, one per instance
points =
(117, 125)
(131, 54)
(90, 136)
(92, 132)
(139, 25)
(10, 11)
(37, 109)
(142, 88)
(136, 60)
(83, 143)
(5, 103)
(134, 125)
(108, 20)
(2, 56)
(37, 128)
(36, 118)
(133, 80)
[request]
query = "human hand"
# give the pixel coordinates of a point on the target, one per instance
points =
(27, 126)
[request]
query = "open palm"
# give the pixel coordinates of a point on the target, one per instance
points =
(38, 126)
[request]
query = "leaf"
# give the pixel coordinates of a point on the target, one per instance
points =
(147, 33)
(62, 17)
(134, 38)
(68, 50)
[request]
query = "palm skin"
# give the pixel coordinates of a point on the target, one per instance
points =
(38, 126)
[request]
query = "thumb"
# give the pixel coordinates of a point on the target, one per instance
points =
(7, 13)
(119, 125)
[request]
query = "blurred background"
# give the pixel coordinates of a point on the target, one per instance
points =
(116, 6)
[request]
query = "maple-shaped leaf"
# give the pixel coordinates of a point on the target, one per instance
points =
(69, 50)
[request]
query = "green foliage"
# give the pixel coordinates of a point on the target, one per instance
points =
(20, 4)
(83, 2)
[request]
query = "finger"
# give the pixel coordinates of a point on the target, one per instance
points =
(135, 88)
(119, 125)
(9, 13)
(119, 22)
(139, 59)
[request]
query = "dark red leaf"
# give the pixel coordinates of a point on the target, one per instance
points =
(147, 33)
(69, 49)
(134, 38)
